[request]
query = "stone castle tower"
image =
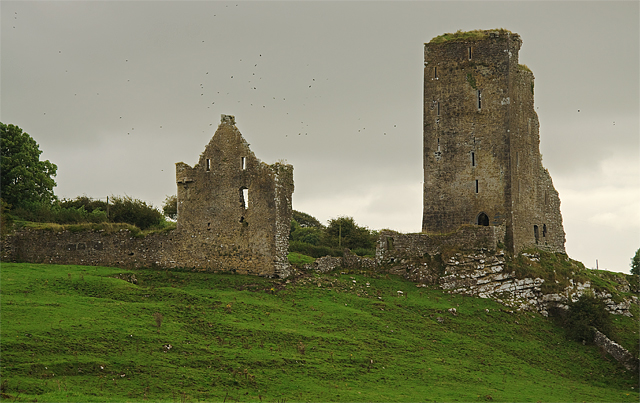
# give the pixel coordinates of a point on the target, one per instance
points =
(482, 163)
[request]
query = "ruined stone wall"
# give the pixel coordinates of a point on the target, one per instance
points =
(92, 248)
(536, 221)
(234, 214)
(232, 206)
(482, 163)
(396, 248)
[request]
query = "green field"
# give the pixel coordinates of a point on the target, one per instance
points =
(78, 333)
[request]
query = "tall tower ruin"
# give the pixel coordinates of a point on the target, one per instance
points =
(482, 163)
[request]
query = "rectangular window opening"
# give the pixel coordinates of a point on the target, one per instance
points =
(208, 164)
(435, 73)
(244, 163)
(473, 159)
(438, 105)
(244, 197)
(479, 99)
(469, 52)
(476, 186)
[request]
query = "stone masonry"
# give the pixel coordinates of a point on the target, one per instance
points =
(234, 214)
(233, 200)
(482, 163)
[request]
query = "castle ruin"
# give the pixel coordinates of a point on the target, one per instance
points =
(482, 163)
(234, 215)
(236, 202)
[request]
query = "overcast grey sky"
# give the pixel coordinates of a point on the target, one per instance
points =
(116, 93)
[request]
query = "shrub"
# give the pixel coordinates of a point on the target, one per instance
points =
(586, 313)
(313, 250)
(136, 212)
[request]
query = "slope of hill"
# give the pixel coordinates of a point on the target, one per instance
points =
(78, 333)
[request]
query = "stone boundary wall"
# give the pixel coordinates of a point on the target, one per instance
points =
(349, 261)
(170, 249)
(394, 247)
(616, 350)
(92, 248)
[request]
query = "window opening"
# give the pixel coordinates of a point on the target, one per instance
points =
(208, 164)
(483, 219)
(476, 186)
(435, 73)
(479, 99)
(390, 244)
(535, 233)
(244, 163)
(438, 105)
(473, 159)
(544, 230)
(244, 197)
(469, 52)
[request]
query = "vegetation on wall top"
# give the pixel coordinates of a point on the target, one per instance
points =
(465, 36)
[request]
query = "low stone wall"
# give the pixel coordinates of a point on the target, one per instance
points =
(349, 261)
(394, 247)
(123, 249)
(616, 350)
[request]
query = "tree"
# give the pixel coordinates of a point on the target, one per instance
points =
(344, 232)
(635, 263)
(305, 220)
(170, 207)
(25, 179)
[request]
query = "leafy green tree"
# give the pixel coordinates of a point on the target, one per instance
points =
(635, 263)
(170, 207)
(344, 232)
(25, 179)
(305, 220)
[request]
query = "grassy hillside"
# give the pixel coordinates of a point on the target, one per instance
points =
(78, 333)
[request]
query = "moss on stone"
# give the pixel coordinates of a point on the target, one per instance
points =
(467, 36)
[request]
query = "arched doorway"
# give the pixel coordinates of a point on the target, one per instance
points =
(483, 219)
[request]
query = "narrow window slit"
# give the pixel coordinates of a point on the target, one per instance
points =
(244, 197)
(473, 159)
(244, 163)
(438, 105)
(469, 52)
(476, 186)
(479, 99)
(435, 73)
(208, 164)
